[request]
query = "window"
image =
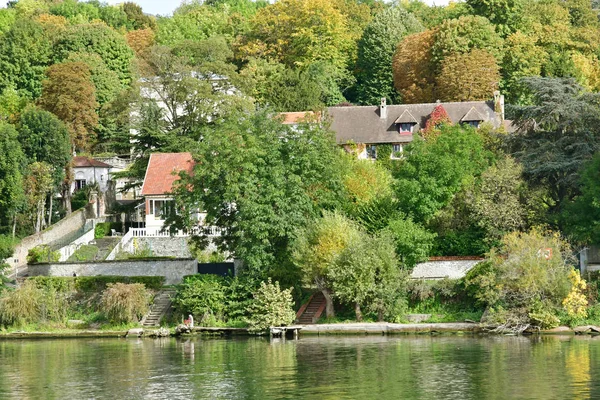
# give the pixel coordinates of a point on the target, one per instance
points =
(161, 209)
(406, 127)
(80, 184)
(372, 152)
(474, 124)
(397, 150)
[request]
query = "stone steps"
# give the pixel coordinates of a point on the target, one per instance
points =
(313, 310)
(160, 307)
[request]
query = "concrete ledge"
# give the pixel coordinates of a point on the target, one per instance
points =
(59, 335)
(387, 328)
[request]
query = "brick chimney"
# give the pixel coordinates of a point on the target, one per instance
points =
(383, 109)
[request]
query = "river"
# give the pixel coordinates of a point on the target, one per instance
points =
(374, 367)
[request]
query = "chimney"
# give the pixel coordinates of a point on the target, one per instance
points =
(383, 109)
(499, 104)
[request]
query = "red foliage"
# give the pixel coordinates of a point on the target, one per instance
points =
(438, 117)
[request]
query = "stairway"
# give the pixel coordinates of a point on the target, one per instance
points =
(311, 311)
(160, 307)
(105, 246)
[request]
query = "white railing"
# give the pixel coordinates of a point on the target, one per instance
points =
(149, 232)
(125, 241)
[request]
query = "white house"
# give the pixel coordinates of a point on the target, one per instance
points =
(88, 171)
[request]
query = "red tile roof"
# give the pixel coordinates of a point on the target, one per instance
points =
(163, 170)
(292, 118)
(81, 161)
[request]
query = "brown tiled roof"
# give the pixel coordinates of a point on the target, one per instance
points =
(83, 162)
(163, 170)
(362, 124)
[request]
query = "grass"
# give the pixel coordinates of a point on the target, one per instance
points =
(84, 253)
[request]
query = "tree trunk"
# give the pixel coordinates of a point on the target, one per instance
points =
(67, 198)
(359, 316)
(380, 315)
(38, 218)
(14, 227)
(50, 211)
(329, 311)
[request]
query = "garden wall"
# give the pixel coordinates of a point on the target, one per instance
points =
(173, 270)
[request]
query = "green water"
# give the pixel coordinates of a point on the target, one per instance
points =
(406, 367)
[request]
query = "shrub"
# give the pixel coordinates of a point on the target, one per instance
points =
(84, 253)
(7, 247)
(100, 283)
(102, 229)
(271, 307)
(57, 283)
(204, 297)
(33, 303)
(41, 254)
(125, 303)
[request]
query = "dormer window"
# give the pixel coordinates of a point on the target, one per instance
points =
(472, 118)
(406, 123)
(406, 127)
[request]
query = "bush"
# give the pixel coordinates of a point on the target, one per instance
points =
(42, 254)
(204, 297)
(32, 303)
(102, 229)
(7, 247)
(271, 307)
(100, 283)
(79, 200)
(124, 303)
(57, 283)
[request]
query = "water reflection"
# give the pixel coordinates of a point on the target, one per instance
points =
(423, 367)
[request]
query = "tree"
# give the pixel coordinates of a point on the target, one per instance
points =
(559, 135)
(102, 40)
(106, 82)
(413, 243)
(37, 184)
(468, 77)
(140, 40)
(136, 19)
(375, 51)
(272, 306)
(25, 53)
(260, 181)
(506, 15)
(12, 164)
(318, 248)
(438, 118)
(70, 95)
(11, 104)
(461, 35)
(299, 32)
(413, 68)
(365, 273)
(365, 182)
(7, 19)
(435, 170)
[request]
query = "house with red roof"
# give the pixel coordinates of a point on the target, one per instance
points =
(162, 173)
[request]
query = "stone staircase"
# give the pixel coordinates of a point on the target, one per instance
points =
(312, 310)
(105, 246)
(160, 308)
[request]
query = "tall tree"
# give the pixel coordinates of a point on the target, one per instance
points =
(25, 53)
(467, 77)
(260, 180)
(12, 165)
(506, 15)
(375, 50)
(413, 68)
(37, 185)
(70, 95)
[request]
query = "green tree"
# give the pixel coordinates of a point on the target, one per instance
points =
(70, 95)
(11, 104)
(506, 15)
(136, 18)
(267, 181)
(467, 77)
(461, 35)
(435, 170)
(559, 135)
(375, 50)
(272, 306)
(106, 82)
(38, 183)
(413, 242)
(12, 164)
(7, 19)
(365, 273)
(318, 247)
(102, 40)
(25, 53)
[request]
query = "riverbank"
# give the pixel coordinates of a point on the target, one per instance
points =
(374, 328)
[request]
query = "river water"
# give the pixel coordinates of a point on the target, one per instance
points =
(404, 367)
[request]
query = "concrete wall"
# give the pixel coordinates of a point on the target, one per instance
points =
(440, 269)
(54, 233)
(173, 270)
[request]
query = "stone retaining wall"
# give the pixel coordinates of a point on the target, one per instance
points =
(173, 270)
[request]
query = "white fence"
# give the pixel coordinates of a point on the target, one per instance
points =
(126, 243)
